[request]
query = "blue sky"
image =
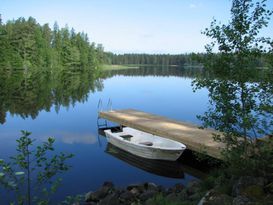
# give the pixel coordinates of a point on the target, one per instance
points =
(127, 26)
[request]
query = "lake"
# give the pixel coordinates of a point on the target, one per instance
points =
(65, 105)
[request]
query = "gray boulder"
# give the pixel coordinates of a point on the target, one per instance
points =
(135, 191)
(147, 195)
(111, 199)
(102, 192)
(139, 187)
(150, 186)
(127, 197)
(90, 196)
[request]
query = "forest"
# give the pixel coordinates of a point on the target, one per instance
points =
(152, 59)
(190, 59)
(24, 43)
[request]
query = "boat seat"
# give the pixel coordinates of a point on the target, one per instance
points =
(147, 143)
(126, 137)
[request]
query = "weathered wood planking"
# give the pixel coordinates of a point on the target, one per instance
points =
(196, 139)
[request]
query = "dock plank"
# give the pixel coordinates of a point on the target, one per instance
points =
(196, 139)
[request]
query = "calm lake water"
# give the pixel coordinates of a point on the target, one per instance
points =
(71, 117)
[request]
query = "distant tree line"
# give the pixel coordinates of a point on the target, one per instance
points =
(152, 59)
(26, 43)
(191, 59)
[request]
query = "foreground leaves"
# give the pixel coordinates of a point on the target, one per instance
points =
(32, 174)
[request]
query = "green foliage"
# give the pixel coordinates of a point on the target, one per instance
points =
(159, 199)
(220, 180)
(241, 35)
(152, 59)
(27, 44)
(241, 96)
(251, 159)
(259, 163)
(32, 173)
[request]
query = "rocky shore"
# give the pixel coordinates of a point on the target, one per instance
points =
(245, 191)
(146, 193)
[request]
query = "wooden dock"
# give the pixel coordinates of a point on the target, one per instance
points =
(198, 140)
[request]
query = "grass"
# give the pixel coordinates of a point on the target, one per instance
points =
(118, 67)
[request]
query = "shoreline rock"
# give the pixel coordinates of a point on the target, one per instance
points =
(144, 193)
(246, 190)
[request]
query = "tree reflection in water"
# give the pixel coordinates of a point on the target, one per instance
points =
(27, 92)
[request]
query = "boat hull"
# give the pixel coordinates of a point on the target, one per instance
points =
(148, 152)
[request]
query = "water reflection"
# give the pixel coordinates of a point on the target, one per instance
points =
(159, 167)
(63, 104)
(163, 71)
(78, 138)
(26, 93)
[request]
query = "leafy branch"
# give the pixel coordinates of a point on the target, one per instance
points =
(32, 173)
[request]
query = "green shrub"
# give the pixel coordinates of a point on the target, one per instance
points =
(31, 175)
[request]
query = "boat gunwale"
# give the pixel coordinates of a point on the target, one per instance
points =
(116, 136)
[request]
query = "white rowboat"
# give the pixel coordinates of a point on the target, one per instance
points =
(145, 145)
